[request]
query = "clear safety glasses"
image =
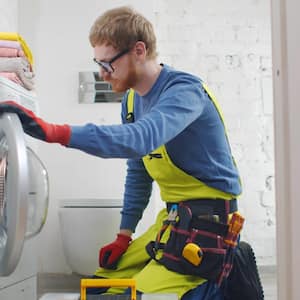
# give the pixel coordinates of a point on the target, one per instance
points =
(106, 65)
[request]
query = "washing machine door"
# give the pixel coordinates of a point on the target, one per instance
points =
(16, 196)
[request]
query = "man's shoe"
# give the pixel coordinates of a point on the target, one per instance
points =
(243, 282)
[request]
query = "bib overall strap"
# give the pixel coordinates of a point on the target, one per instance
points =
(130, 103)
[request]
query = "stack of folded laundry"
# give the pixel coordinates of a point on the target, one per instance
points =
(16, 62)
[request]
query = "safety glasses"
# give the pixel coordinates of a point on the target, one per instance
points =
(106, 65)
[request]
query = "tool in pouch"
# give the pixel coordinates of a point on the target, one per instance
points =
(236, 223)
(194, 254)
(197, 245)
(171, 219)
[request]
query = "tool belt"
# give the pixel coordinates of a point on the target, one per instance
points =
(202, 239)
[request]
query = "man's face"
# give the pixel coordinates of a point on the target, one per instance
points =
(116, 67)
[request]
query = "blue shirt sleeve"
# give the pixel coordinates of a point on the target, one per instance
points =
(170, 112)
(138, 188)
(177, 108)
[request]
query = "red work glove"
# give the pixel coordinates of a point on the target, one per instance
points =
(35, 126)
(110, 254)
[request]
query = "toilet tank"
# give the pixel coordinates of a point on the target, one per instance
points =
(86, 225)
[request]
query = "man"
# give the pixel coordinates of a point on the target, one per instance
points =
(173, 133)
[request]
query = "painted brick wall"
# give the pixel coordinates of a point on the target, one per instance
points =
(228, 44)
(8, 15)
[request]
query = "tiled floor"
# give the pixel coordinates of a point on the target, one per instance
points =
(70, 283)
(269, 282)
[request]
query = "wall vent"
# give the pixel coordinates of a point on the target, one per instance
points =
(92, 89)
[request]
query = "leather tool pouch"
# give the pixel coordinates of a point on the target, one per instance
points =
(207, 236)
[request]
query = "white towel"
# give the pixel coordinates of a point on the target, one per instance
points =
(20, 66)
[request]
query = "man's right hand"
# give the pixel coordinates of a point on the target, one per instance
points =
(36, 127)
(110, 254)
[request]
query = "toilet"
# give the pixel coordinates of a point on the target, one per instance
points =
(86, 225)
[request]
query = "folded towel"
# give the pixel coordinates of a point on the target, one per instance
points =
(11, 52)
(20, 66)
(12, 76)
(13, 36)
(10, 44)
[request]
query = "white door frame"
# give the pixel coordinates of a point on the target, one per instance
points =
(286, 82)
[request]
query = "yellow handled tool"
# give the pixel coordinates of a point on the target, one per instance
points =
(85, 283)
(235, 226)
(192, 253)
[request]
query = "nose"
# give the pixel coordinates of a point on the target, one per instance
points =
(103, 74)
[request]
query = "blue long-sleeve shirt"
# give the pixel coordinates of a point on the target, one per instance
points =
(176, 112)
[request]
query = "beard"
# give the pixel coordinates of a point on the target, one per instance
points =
(129, 81)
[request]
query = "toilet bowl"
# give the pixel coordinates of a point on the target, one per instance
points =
(86, 225)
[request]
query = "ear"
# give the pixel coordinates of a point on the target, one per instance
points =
(140, 50)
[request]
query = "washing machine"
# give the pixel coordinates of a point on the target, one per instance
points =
(24, 198)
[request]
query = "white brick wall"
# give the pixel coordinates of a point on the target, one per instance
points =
(228, 44)
(8, 15)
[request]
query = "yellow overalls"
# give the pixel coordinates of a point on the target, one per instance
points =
(175, 185)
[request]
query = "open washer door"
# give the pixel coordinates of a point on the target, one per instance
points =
(20, 191)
